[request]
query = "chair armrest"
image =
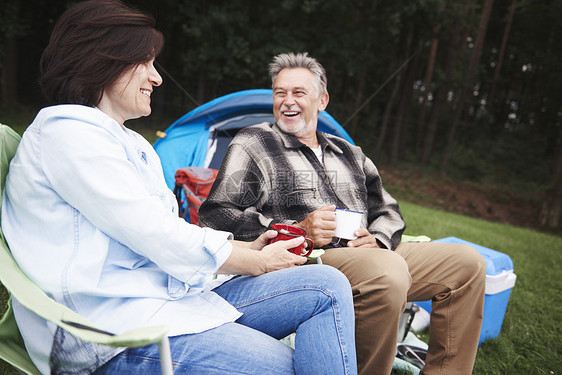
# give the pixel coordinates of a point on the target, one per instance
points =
(407, 238)
(131, 339)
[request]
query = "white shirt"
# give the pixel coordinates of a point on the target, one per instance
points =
(89, 218)
(318, 152)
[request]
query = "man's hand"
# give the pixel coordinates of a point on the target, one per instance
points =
(364, 239)
(320, 225)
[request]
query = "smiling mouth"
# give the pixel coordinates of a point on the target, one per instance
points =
(291, 113)
(145, 92)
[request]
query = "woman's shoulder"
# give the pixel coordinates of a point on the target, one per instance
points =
(73, 120)
(72, 112)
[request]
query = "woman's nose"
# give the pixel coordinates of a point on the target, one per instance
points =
(154, 77)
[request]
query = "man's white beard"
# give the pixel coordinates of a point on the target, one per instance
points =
(300, 129)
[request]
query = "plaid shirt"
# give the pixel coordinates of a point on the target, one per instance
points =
(269, 176)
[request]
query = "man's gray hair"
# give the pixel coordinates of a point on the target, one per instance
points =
(300, 60)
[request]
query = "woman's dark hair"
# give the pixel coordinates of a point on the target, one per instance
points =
(92, 44)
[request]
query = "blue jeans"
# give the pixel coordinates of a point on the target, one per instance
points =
(314, 301)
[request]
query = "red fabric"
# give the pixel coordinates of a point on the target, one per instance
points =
(196, 183)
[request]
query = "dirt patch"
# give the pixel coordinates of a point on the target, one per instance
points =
(463, 197)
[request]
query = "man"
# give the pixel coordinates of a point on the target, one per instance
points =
(288, 172)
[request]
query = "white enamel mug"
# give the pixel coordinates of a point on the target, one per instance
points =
(347, 222)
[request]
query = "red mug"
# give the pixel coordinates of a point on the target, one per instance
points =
(287, 232)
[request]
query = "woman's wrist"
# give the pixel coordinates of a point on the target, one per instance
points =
(244, 261)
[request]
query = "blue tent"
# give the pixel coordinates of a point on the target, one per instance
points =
(200, 138)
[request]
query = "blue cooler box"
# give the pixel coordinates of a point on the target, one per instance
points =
(500, 279)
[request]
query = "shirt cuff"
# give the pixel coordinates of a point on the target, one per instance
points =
(216, 243)
(218, 249)
(383, 241)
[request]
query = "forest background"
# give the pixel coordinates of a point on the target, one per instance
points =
(457, 102)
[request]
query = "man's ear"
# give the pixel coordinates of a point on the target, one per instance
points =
(324, 99)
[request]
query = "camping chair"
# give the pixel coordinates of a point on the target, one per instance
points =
(12, 348)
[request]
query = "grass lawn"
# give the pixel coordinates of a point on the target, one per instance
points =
(530, 338)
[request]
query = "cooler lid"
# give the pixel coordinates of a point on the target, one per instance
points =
(496, 262)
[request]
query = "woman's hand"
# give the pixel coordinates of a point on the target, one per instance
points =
(262, 240)
(276, 256)
(245, 260)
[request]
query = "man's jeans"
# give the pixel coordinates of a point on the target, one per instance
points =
(314, 301)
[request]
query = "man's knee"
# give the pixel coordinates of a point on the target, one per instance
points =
(390, 284)
(471, 260)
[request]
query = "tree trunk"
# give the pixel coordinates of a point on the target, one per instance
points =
(201, 86)
(386, 116)
(398, 122)
(501, 53)
(9, 78)
(403, 111)
(358, 100)
(427, 83)
(439, 103)
(472, 70)
(360, 89)
(551, 212)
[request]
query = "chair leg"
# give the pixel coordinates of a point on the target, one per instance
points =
(165, 356)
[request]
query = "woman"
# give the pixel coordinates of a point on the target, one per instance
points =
(90, 220)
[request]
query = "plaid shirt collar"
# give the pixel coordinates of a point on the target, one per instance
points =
(291, 141)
